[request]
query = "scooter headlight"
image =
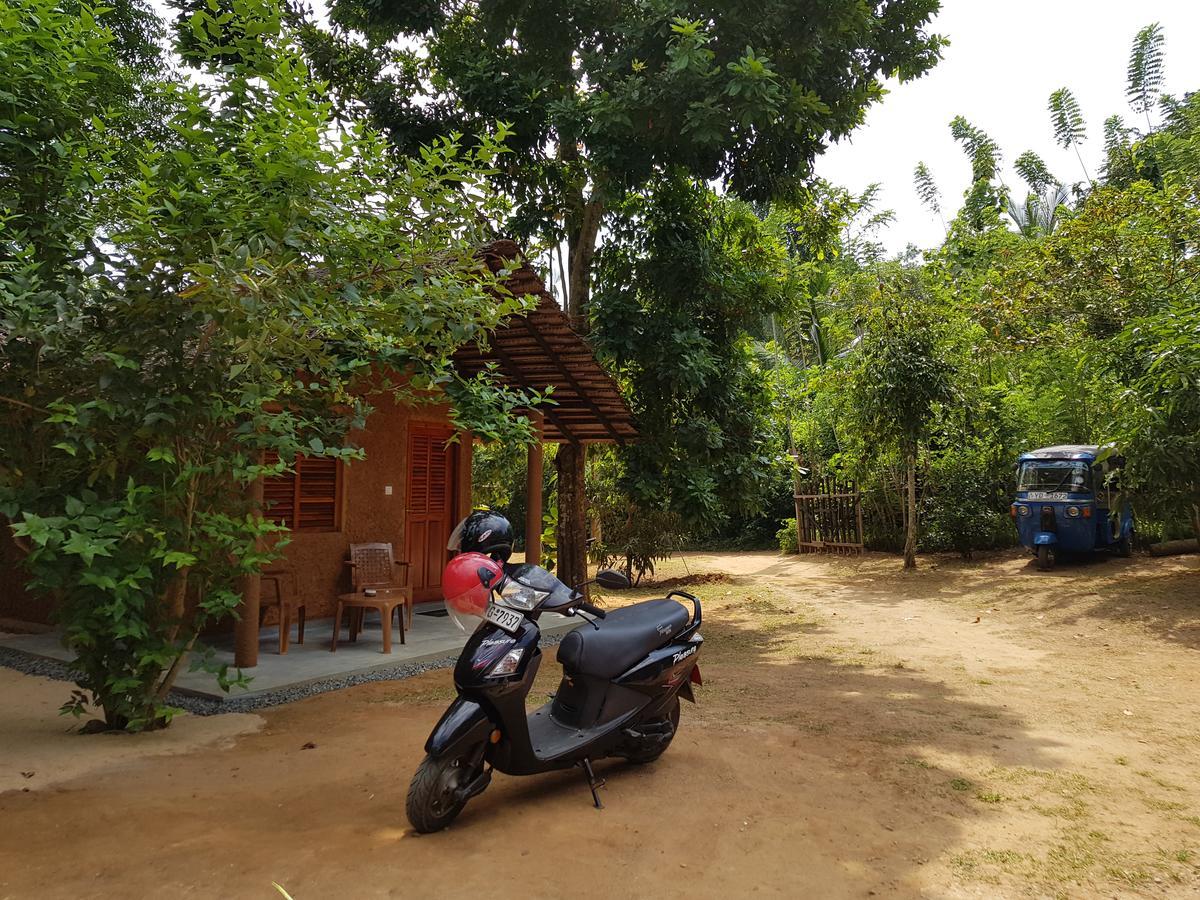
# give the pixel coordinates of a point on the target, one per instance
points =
(521, 596)
(1073, 512)
(1024, 510)
(508, 665)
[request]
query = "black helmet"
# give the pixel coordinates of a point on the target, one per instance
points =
(483, 532)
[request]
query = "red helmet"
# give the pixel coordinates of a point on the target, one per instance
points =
(467, 583)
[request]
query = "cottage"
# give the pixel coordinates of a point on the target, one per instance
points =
(415, 482)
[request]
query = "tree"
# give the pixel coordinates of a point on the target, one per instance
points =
(902, 373)
(178, 309)
(1160, 432)
(604, 97)
(686, 278)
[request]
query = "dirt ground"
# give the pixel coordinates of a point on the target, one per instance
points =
(974, 729)
(40, 749)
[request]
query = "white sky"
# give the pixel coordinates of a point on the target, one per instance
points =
(1004, 60)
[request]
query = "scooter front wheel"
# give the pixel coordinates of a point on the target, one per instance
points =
(437, 793)
(1045, 557)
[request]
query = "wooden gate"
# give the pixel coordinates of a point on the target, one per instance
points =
(829, 516)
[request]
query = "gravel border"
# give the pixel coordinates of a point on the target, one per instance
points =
(203, 706)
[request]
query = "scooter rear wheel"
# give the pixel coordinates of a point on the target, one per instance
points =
(433, 801)
(650, 752)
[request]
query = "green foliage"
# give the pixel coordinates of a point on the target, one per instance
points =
(171, 309)
(960, 499)
(927, 189)
(1147, 69)
(1160, 432)
(984, 200)
(550, 532)
(605, 97)
(630, 535)
(1033, 169)
(1067, 119)
(683, 282)
(643, 86)
(901, 370)
(1070, 317)
(1177, 146)
(983, 152)
(788, 537)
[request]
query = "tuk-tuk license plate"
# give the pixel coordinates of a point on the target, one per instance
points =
(1048, 495)
(503, 618)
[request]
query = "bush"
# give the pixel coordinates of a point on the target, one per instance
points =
(630, 535)
(788, 537)
(959, 507)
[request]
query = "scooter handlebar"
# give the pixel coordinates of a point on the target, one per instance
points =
(584, 606)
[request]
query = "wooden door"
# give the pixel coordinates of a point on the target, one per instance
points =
(430, 506)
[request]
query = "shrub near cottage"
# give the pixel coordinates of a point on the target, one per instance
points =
(193, 273)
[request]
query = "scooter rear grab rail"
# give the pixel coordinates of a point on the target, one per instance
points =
(697, 615)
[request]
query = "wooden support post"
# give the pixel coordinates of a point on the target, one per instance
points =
(533, 496)
(245, 634)
(572, 515)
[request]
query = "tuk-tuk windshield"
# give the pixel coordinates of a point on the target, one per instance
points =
(1054, 475)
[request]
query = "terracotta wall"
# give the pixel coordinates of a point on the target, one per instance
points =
(368, 514)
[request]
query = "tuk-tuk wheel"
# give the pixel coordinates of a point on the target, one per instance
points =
(1045, 557)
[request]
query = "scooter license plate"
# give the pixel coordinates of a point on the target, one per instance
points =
(503, 618)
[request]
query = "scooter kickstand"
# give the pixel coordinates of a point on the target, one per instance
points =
(593, 782)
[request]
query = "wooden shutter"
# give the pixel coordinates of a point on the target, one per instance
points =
(309, 499)
(279, 494)
(317, 501)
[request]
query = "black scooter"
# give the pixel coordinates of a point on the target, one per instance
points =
(623, 675)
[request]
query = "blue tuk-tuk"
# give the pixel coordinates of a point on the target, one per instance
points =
(1065, 503)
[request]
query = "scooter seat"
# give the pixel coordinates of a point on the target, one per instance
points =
(623, 637)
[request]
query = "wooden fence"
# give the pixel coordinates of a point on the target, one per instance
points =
(829, 516)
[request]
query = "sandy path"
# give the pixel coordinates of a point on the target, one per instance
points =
(859, 734)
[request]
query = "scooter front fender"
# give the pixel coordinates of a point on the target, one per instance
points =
(1045, 537)
(462, 726)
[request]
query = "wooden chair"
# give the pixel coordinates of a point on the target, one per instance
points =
(374, 566)
(287, 598)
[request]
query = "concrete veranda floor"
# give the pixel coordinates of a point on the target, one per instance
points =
(431, 637)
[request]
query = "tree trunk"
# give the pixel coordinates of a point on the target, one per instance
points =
(581, 248)
(1196, 522)
(533, 494)
(910, 536)
(572, 515)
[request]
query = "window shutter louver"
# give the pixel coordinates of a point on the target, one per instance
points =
(308, 499)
